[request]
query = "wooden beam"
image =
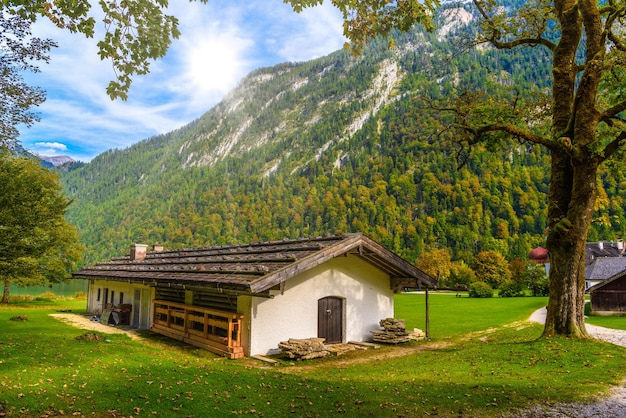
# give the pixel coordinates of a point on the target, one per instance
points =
(427, 331)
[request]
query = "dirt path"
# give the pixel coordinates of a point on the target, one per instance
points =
(84, 322)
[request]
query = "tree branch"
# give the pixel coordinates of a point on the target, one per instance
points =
(495, 34)
(513, 130)
(613, 146)
(613, 111)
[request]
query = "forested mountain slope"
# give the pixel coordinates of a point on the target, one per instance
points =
(337, 144)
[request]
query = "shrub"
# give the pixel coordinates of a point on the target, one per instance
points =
(480, 290)
(21, 298)
(511, 289)
(47, 297)
(80, 295)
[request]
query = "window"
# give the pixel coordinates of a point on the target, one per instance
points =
(99, 294)
(113, 297)
(121, 297)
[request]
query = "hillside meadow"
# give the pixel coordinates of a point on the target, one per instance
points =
(484, 359)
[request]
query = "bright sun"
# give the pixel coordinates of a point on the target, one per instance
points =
(216, 64)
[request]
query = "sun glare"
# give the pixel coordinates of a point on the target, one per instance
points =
(216, 65)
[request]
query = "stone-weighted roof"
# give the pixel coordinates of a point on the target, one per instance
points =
(251, 268)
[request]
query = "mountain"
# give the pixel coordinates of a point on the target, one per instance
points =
(337, 144)
(56, 160)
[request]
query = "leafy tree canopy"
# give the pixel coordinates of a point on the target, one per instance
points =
(37, 245)
(18, 52)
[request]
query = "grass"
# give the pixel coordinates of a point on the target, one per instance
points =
(484, 360)
(614, 322)
(452, 316)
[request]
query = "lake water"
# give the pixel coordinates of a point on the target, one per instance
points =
(68, 289)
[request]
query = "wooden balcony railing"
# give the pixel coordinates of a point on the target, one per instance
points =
(210, 329)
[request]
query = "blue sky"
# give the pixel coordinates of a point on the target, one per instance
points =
(221, 42)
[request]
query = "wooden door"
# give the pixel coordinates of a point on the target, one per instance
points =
(330, 319)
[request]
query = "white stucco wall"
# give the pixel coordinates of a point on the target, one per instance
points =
(293, 314)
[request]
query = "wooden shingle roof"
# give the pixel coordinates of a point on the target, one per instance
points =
(605, 267)
(251, 268)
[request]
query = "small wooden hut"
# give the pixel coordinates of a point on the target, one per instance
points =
(608, 298)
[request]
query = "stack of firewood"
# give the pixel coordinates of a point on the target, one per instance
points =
(304, 349)
(394, 332)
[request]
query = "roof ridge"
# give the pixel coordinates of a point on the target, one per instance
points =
(250, 244)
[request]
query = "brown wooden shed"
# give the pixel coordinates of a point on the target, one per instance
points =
(608, 298)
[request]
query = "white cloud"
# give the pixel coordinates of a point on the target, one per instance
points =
(53, 145)
(49, 148)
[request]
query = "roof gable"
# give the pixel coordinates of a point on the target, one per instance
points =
(608, 283)
(251, 268)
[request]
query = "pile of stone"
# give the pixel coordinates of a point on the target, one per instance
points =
(304, 349)
(394, 332)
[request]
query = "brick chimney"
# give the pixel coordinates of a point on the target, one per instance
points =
(157, 248)
(138, 252)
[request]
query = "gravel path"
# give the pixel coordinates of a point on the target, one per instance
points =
(614, 336)
(613, 406)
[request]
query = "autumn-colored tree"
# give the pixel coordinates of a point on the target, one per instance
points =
(461, 275)
(491, 267)
(437, 263)
(518, 269)
(37, 245)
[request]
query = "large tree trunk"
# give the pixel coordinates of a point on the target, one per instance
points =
(571, 201)
(5, 295)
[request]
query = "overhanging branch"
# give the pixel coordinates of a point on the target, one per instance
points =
(613, 111)
(495, 34)
(520, 134)
(613, 146)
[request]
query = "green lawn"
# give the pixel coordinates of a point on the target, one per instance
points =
(483, 360)
(614, 322)
(452, 316)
